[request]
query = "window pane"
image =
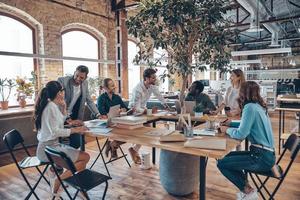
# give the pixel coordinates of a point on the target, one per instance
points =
(82, 45)
(134, 76)
(15, 37)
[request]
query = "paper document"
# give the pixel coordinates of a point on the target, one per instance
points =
(204, 132)
(114, 111)
(159, 132)
(99, 130)
(95, 124)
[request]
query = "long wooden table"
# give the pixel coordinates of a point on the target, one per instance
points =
(139, 136)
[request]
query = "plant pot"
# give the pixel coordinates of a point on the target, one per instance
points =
(4, 105)
(22, 103)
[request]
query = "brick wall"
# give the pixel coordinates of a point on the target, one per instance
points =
(50, 19)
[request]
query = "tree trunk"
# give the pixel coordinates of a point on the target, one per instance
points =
(183, 88)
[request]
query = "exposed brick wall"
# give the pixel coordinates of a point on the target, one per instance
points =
(54, 17)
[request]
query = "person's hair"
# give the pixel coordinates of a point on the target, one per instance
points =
(106, 81)
(148, 73)
(250, 93)
(239, 73)
(49, 92)
(199, 86)
(83, 69)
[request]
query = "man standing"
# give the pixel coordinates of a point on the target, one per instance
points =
(140, 95)
(76, 95)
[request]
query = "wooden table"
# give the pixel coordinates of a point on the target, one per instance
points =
(138, 136)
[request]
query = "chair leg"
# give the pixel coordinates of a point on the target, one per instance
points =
(38, 181)
(105, 190)
(256, 185)
(262, 185)
(43, 173)
(28, 184)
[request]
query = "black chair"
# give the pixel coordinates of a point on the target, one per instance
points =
(82, 181)
(12, 139)
(277, 172)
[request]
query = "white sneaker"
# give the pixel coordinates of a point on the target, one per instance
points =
(240, 195)
(250, 196)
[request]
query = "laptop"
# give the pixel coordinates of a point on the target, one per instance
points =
(189, 107)
(114, 111)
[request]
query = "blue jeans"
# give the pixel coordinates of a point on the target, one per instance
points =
(232, 166)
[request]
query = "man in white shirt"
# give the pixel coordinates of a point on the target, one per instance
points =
(140, 95)
(76, 95)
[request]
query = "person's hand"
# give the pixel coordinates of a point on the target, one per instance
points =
(223, 129)
(213, 112)
(154, 110)
(103, 117)
(79, 129)
(75, 122)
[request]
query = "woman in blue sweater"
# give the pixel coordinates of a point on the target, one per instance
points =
(256, 127)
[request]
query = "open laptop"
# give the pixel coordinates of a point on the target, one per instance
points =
(189, 106)
(114, 111)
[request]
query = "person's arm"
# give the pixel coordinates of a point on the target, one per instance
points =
(157, 94)
(101, 105)
(90, 103)
(51, 122)
(248, 118)
(122, 104)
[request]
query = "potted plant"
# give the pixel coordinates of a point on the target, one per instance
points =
(24, 89)
(6, 86)
(194, 33)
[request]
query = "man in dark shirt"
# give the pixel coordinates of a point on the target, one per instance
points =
(203, 100)
(104, 102)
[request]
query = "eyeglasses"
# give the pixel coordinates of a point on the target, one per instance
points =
(62, 89)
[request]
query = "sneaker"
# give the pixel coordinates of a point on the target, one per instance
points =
(251, 196)
(134, 156)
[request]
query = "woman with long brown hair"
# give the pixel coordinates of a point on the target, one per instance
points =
(49, 116)
(256, 127)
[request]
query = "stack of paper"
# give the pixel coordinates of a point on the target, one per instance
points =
(129, 122)
(101, 130)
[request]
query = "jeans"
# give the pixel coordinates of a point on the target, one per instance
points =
(232, 166)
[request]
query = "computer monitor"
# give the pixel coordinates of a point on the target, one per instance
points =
(205, 82)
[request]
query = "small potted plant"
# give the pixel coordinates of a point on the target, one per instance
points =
(24, 89)
(199, 109)
(5, 90)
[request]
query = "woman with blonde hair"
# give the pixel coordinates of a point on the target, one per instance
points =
(230, 104)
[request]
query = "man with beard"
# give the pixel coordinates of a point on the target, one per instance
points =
(140, 95)
(76, 95)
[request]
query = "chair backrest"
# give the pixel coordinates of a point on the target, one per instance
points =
(59, 158)
(12, 138)
(293, 145)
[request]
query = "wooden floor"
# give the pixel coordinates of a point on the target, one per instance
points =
(135, 183)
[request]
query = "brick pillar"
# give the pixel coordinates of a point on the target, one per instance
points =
(124, 44)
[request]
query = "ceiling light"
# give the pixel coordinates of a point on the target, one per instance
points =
(261, 51)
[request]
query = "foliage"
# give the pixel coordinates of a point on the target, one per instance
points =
(94, 85)
(6, 84)
(24, 88)
(185, 29)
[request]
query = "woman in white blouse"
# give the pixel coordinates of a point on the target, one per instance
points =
(231, 105)
(50, 114)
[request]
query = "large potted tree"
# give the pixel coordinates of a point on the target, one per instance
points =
(194, 35)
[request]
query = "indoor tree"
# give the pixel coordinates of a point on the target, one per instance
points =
(193, 32)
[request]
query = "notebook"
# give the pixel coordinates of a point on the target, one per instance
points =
(204, 132)
(207, 143)
(130, 120)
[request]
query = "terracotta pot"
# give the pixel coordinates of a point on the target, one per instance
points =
(4, 105)
(22, 103)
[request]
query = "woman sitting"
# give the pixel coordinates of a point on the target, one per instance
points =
(256, 127)
(201, 99)
(104, 102)
(49, 116)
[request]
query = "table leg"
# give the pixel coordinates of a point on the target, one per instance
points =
(202, 178)
(153, 148)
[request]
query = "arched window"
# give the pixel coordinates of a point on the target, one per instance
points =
(80, 44)
(16, 37)
(134, 71)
